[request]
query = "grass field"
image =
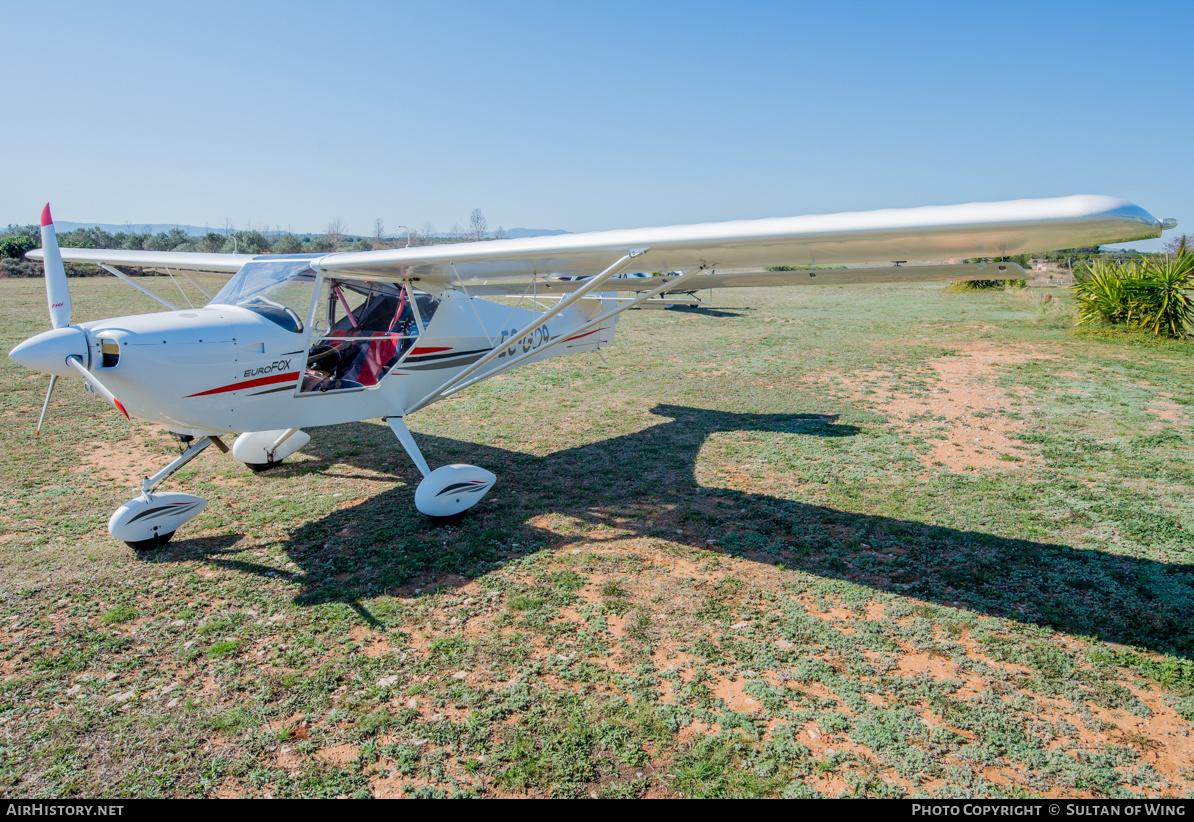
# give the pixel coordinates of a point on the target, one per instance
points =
(881, 541)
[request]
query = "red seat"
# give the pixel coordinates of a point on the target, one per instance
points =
(374, 351)
(367, 370)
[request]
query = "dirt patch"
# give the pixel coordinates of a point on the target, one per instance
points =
(731, 694)
(389, 787)
(288, 759)
(142, 454)
(963, 415)
(1163, 739)
(339, 755)
(1167, 410)
(229, 789)
(914, 662)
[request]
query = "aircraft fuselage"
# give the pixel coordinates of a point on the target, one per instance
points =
(222, 369)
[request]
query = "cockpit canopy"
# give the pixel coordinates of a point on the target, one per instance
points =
(277, 288)
(360, 329)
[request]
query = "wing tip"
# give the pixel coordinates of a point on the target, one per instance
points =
(46, 219)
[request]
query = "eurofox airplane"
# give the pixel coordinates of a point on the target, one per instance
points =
(302, 340)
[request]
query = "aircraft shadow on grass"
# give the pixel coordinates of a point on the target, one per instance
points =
(644, 484)
(711, 310)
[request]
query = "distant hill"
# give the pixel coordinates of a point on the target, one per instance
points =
(199, 231)
(518, 233)
(151, 228)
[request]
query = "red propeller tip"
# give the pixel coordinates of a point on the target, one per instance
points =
(46, 219)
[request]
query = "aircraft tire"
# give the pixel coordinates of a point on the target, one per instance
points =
(258, 467)
(151, 544)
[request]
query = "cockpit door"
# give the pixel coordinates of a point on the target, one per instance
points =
(363, 330)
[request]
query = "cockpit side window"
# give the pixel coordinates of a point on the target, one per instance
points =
(426, 305)
(366, 329)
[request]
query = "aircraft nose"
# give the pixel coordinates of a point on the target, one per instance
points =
(47, 352)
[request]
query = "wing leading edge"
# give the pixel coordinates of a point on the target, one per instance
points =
(193, 261)
(928, 233)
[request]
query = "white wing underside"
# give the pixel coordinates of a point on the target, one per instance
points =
(764, 279)
(928, 233)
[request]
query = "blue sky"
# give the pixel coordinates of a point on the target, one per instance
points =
(586, 116)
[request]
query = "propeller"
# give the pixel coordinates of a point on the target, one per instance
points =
(57, 291)
(77, 364)
(46, 404)
(58, 299)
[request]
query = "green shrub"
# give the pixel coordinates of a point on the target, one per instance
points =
(960, 286)
(1166, 306)
(1151, 294)
(14, 247)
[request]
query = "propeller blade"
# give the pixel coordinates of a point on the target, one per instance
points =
(77, 364)
(46, 404)
(57, 292)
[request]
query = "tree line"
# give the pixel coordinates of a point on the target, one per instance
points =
(16, 240)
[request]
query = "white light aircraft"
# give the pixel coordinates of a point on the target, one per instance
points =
(292, 341)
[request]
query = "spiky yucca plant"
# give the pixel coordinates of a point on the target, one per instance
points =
(1151, 294)
(1166, 306)
(1102, 292)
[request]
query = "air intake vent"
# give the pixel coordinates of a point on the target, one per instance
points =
(111, 352)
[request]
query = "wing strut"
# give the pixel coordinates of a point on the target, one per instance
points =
(190, 280)
(545, 317)
(121, 275)
(456, 384)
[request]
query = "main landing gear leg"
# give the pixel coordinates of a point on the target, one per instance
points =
(148, 521)
(447, 490)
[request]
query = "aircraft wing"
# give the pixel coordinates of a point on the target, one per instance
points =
(926, 233)
(192, 261)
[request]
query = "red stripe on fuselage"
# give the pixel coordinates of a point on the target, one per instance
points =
(415, 352)
(579, 336)
(247, 384)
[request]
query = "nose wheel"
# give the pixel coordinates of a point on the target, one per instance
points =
(258, 467)
(151, 544)
(147, 522)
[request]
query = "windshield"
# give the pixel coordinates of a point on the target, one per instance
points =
(278, 290)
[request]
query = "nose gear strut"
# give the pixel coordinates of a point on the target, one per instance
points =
(149, 521)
